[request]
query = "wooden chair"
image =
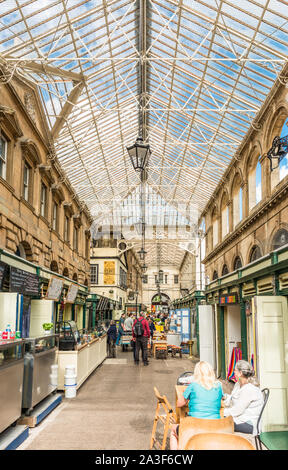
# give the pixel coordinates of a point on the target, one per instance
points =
(190, 426)
(218, 441)
(166, 419)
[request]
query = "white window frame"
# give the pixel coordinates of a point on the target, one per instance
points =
(43, 201)
(26, 181)
(3, 158)
(94, 276)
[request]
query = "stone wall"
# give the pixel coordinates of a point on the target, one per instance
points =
(261, 218)
(23, 230)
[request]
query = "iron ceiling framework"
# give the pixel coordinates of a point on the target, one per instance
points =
(206, 69)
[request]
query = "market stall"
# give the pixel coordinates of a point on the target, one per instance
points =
(83, 350)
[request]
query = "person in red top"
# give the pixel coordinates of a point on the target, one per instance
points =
(141, 334)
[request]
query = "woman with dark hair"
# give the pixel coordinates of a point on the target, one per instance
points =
(246, 400)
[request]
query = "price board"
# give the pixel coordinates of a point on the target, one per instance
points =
(72, 294)
(54, 289)
(24, 282)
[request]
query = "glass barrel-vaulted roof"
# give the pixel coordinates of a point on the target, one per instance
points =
(209, 65)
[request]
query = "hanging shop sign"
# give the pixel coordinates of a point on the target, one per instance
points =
(109, 272)
(54, 288)
(228, 299)
(23, 282)
(72, 294)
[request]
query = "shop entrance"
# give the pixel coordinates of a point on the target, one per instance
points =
(160, 303)
(232, 320)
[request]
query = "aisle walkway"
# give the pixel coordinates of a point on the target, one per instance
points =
(114, 408)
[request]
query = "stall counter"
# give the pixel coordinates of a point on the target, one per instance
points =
(85, 359)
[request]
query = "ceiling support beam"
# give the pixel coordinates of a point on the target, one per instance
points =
(67, 108)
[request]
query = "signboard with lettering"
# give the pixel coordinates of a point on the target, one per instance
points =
(2, 272)
(24, 282)
(54, 289)
(228, 299)
(72, 294)
(109, 272)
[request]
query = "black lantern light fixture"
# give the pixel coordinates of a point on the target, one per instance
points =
(139, 154)
(142, 254)
(278, 151)
(144, 268)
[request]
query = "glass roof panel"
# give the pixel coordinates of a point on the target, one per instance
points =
(209, 66)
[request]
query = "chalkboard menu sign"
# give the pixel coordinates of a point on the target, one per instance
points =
(2, 272)
(23, 282)
(54, 289)
(71, 294)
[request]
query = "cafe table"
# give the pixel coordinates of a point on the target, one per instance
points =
(182, 411)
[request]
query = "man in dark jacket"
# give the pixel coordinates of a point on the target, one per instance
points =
(111, 339)
(141, 334)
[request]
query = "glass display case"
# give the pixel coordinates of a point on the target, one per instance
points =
(11, 380)
(39, 357)
(70, 338)
(69, 335)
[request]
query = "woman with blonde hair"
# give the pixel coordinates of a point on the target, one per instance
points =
(203, 397)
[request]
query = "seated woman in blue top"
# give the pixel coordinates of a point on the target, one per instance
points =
(203, 397)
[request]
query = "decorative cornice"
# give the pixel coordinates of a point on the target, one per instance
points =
(46, 170)
(30, 150)
(9, 117)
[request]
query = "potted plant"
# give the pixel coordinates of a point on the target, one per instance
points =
(48, 327)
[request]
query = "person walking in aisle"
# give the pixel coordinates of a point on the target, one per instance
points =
(120, 328)
(128, 322)
(141, 334)
(111, 339)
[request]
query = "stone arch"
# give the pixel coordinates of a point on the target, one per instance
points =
(225, 270)
(24, 250)
(66, 272)
(252, 157)
(237, 263)
(214, 275)
(279, 237)
(224, 216)
(254, 253)
(75, 277)
(275, 124)
(54, 266)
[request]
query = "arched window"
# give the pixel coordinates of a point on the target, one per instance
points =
(224, 216)
(280, 128)
(237, 263)
(255, 182)
(280, 238)
(66, 272)
(225, 270)
(214, 228)
(255, 253)
(24, 251)
(283, 166)
(54, 267)
(215, 275)
(237, 201)
(75, 277)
